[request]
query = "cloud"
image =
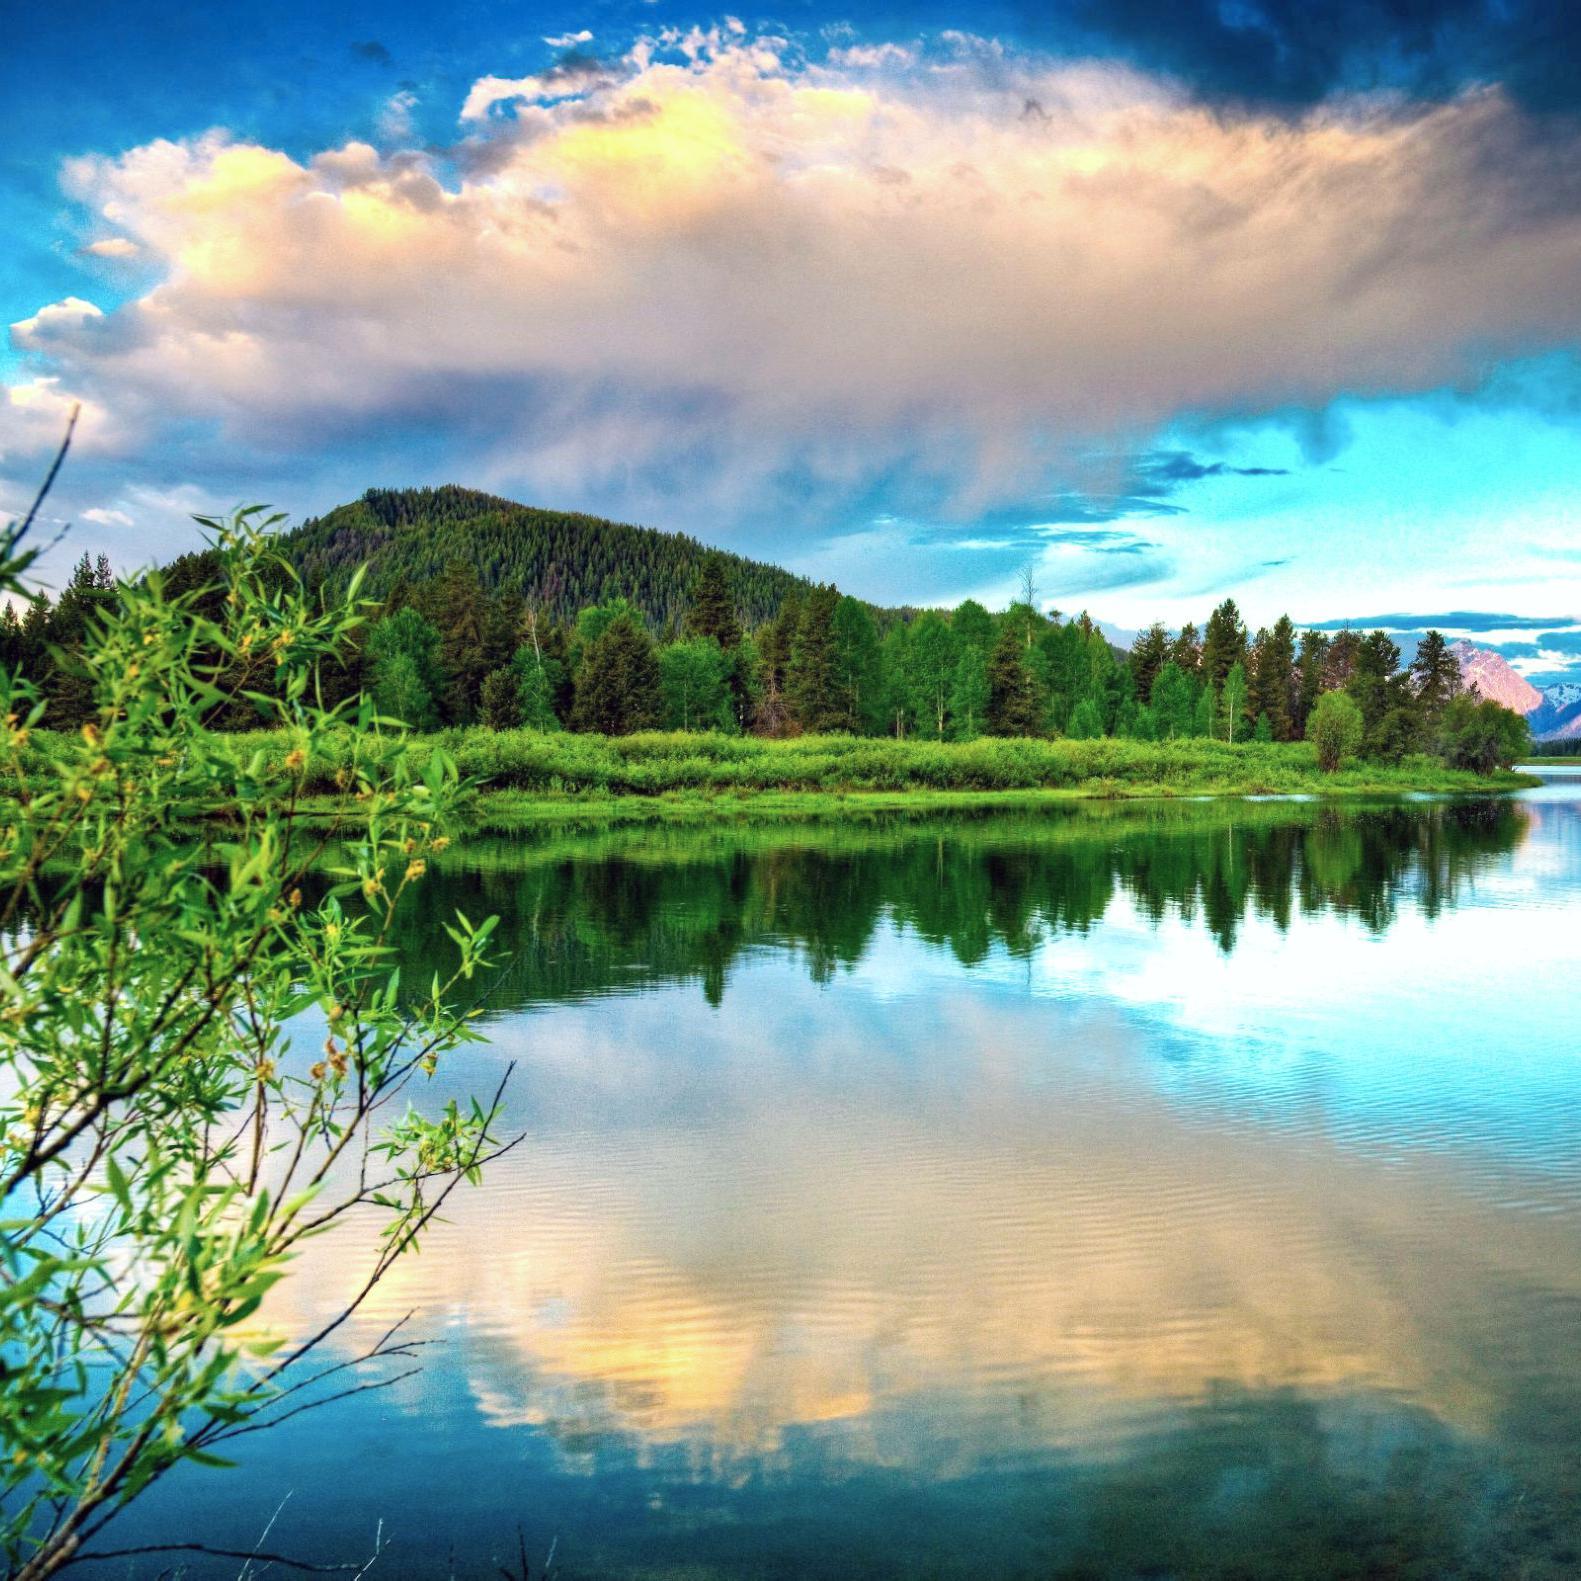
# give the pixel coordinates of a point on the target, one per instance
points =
(112, 247)
(569, 40)
(1169, 468)
(1292, 53)
(373, 51)
(101, 517)
(721, 270)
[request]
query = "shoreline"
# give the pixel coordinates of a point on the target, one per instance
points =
(505, 810)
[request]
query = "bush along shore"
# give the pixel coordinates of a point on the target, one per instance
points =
(528, 773)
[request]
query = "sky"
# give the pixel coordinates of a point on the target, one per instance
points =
(1275, 300)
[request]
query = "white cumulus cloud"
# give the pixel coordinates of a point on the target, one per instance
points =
(720, 258)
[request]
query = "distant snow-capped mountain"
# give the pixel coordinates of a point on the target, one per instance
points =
(1558, 718)
(1493, 678)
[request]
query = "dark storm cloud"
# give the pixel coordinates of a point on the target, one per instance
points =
(1293, 53)
(1165, 469)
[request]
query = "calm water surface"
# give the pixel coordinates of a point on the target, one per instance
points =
(1166, 1191)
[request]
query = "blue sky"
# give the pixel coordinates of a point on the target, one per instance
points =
(1276, 300)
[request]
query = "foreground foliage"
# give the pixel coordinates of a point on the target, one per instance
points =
(167, 1139)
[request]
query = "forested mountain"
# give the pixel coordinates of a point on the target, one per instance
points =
(558, 561)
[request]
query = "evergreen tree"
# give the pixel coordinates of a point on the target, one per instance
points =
(455, 605)
(1312, 667)
(1149, 654)
(1223, 643)
(713, 612)
(69, 687)
(500, 706)
(10, 638)
(1186, 650)
(594, 621)
(772, 714)
(1270, 673)
(617, 686)
(812, 680)
(1375, 682)
(1435, 678)
(1265, 729)
(1014, 707)
(1339, 662)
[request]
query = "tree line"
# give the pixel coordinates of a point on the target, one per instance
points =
(447, 651)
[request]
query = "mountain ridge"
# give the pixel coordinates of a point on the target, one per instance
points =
(560, 560)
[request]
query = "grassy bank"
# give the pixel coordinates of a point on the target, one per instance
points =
(532, 776)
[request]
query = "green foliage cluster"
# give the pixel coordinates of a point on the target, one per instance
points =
(167, 1140)
(659, 762)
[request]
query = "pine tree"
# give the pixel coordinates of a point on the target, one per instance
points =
(1339, 661)
(1311, 668)
(1186, 650)
(459, 612)
(1223, 643)
(713, 612)
(1149, 654)
(1014, 707)
(1435, 678)
(812, 683)
(1375, 682)
(1272, 677)
(500, 705)
(617, 686)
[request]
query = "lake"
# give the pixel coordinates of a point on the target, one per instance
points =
(1131, 1190)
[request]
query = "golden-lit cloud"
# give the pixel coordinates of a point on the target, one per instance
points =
(987, 260)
